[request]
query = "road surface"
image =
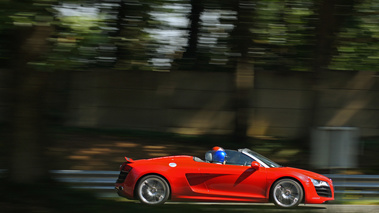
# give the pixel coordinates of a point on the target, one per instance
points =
(233, 207)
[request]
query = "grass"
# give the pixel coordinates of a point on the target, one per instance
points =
(51, 197)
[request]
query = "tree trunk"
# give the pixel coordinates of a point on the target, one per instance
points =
(28, 135)
(242, 40)
(194, 18)
(332, 15)
(244, 82)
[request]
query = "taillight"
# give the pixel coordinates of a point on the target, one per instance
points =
(125, 167)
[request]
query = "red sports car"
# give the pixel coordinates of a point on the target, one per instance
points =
(246, 176)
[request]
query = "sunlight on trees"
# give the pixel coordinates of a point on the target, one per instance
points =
(153, 35)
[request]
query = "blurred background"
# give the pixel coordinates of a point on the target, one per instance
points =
(84, 83)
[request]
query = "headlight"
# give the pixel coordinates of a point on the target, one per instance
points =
(319, 183)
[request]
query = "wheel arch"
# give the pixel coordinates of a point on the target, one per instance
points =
(157, 174)
(285, 177)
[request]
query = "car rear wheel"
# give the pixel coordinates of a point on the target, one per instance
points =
(287, 193)
(153, 190)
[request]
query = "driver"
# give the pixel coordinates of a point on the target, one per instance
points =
(219, 155)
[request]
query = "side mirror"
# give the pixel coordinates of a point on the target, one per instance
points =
(255, 165)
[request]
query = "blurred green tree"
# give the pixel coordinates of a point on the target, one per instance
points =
(332, 18)
(194, 20)
(357, 44)
(132, 39)
(28, 27)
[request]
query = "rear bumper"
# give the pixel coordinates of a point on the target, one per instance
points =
(123, 191)
(120, 192)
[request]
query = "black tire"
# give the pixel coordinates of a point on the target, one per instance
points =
(287, 193)
(153, 190)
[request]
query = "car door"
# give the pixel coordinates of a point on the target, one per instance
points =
(236, 179)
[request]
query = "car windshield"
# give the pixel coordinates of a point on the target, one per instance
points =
(262, 158)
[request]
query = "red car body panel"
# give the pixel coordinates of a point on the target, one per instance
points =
(190, 179)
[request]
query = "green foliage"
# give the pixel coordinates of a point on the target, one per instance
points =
(82, 38)
(151, 34)
(284, 34)
(132, 40)
(358, 41)
(56, 197)
(19, 16)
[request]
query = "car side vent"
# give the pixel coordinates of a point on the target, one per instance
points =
(124, 171)
(122, 176)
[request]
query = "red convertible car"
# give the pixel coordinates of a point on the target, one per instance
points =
(243, 176)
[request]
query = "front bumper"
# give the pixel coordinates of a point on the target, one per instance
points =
(319, 195)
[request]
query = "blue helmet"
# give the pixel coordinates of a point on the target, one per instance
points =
(219, 154)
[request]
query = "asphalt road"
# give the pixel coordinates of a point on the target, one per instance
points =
(233, 207)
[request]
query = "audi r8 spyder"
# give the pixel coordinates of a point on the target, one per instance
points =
(245, 177)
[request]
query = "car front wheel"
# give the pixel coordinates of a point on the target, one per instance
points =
(287, 193)
(153, 190)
